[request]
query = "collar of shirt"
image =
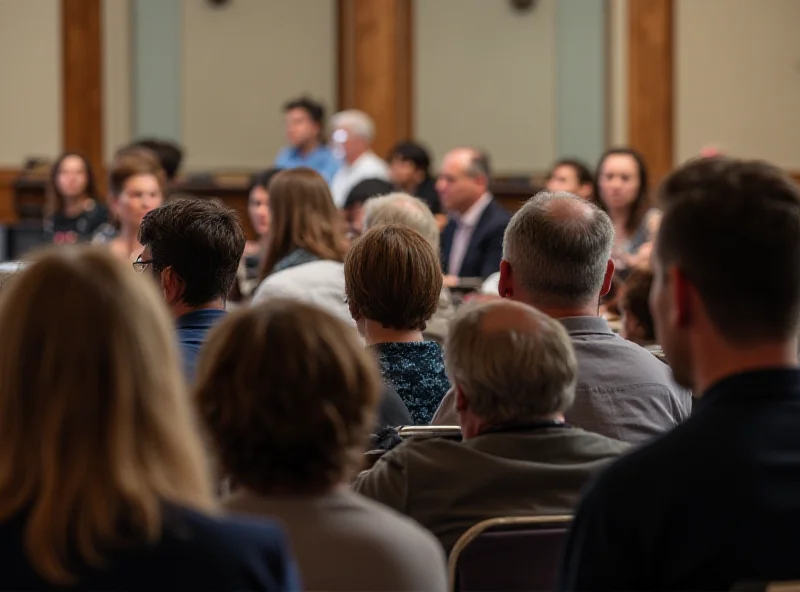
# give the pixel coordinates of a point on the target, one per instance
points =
(469, 219)
(586, 325)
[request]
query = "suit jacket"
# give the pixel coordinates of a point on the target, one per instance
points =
(346, 542)
(485, 248)
(195, 552)
(713, 503)
(449, 486)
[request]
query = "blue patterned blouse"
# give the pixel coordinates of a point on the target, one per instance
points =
(416, 371)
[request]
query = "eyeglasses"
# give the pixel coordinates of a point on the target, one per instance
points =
(139, 265)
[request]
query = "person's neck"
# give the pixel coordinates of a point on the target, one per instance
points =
(713, 362)
(73, 206)
(375, 333)
(180, 308)
(619, 217)
(129, 239)
(352, 160)
(590, 309)
(307, 148)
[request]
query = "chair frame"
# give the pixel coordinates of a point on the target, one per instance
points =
(481, 527)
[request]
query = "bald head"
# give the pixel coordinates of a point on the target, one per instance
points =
(511, 362)
(557, 248)
(463, 178)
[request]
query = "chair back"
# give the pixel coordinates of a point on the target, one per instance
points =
(510, 554)
(428, 431)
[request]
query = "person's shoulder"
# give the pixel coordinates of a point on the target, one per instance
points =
(599, 445)
(284, 155)
(422, 450)
(499, 212)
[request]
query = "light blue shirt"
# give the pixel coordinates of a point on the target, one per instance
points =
(321, 159)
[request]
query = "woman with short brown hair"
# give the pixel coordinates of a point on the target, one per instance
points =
(289, 395)
(393, 279)
(103, 478)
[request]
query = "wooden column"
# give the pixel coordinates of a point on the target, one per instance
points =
(650, 83)
(375, 65)
(82, 79)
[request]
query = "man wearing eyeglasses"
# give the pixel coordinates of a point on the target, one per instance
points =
(192, 247)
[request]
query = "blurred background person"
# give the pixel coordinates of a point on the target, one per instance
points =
(169, 154)
(355, 202)
(72, 210)
(104, 481)
(306, 243)
(290, 424)
(573, 176)
(410, 172)
(353, 132)
(305, 124)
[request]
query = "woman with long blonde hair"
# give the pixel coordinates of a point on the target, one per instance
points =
(103, 477)
(305, 245)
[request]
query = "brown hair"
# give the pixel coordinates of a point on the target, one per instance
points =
(54, 201)
(131, 162)
(97, 428)
(393, 276)
(723, 216)
(288, 394)
(303, 216)
(634, 299)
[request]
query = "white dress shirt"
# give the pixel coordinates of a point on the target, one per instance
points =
(465, 226)
(366, 166)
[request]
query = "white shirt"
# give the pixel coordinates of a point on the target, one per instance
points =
(366, 166)
(465, 226)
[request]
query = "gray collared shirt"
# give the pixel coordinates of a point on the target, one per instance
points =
(623, 391)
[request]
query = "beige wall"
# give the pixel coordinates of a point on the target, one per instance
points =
(618, 72)
(485, 74)
(738, 78)
(240, 64)
(30, 71)
(116, 75)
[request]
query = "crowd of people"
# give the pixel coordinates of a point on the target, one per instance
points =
(228, 417)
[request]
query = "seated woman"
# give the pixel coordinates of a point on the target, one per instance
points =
(103, 477)
(289, 395)
(621, 190)
(393, 280)
(72, 212)
(137, 184)
(305, 245)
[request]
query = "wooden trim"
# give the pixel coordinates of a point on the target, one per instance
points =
(375, 65)
(650, 83)
(8, 213)
(82, 76)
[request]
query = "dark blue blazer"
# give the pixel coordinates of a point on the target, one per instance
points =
(195, 552)
(485, 248)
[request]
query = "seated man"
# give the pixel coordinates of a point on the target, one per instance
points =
(514, 373)
(410, 172)
(472, 240)
(193, 248)
(305, 122)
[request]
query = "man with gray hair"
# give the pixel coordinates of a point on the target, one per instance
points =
(514, 372)
(353, 132)
(557, 257)
(401, 208)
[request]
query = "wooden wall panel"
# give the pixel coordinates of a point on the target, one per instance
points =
(7, 177)
(650, 83)
(82, 74)
(375, 65)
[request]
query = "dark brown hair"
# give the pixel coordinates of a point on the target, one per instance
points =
(201, 240)
(393, 276)
(303, 216)
(129, 163)
(288, 394)
(635, 297)
(641, 204)
(725, 219)
(54, 201)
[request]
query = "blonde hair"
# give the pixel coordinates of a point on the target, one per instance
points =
(401, 208)
(97, 427)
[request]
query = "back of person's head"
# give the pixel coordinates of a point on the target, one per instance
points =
(302, 216)
(394, 277)
(356, 122)
(169, 154)
(405, 210)
(313, 109)
(292, 418)
(723, 219)
(510, 362)
(637, 321)
(366, 189)
(558, 247)
(200, 241)
(262, 179)
(414, 153)
(97, 426)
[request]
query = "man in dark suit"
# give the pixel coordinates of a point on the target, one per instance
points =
(715, 502)
(472, 240)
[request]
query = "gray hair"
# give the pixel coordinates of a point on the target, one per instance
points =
(515, 371)
(356, 122)
(558, 246)
(403, 209)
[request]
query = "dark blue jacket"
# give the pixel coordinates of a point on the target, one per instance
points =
(485, 248)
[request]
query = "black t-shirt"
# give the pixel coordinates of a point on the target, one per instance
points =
(79, 229)
(426, 191)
